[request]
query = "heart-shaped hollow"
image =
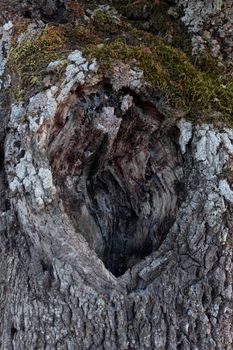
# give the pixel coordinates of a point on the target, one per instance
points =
(119, 171)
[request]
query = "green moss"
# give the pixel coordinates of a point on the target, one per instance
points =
(197, 88)
(135, 8)
(29, 58)
(80, 35)
(105, 22)
(152, 15)
(184, 86)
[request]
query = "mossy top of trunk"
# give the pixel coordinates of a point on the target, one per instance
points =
(30, 56)
(199, 90)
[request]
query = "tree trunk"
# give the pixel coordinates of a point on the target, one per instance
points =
(116, 220)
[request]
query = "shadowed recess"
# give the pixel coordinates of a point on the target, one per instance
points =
(120, 173)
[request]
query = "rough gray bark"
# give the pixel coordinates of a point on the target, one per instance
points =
(116, 221)
(210, 23)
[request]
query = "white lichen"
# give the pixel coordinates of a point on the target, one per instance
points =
(5, 43)
(185, 134)
(76, 57)
(126, 103)
(53, 66)
(8, 26)
(226, 191)
(46, 177)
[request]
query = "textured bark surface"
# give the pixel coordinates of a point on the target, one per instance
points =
(115, 220)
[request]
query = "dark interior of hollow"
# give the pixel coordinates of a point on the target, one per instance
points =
(123, 194)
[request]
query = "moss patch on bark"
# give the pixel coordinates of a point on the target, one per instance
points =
(199, 90)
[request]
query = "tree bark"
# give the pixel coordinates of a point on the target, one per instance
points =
(116, 221)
